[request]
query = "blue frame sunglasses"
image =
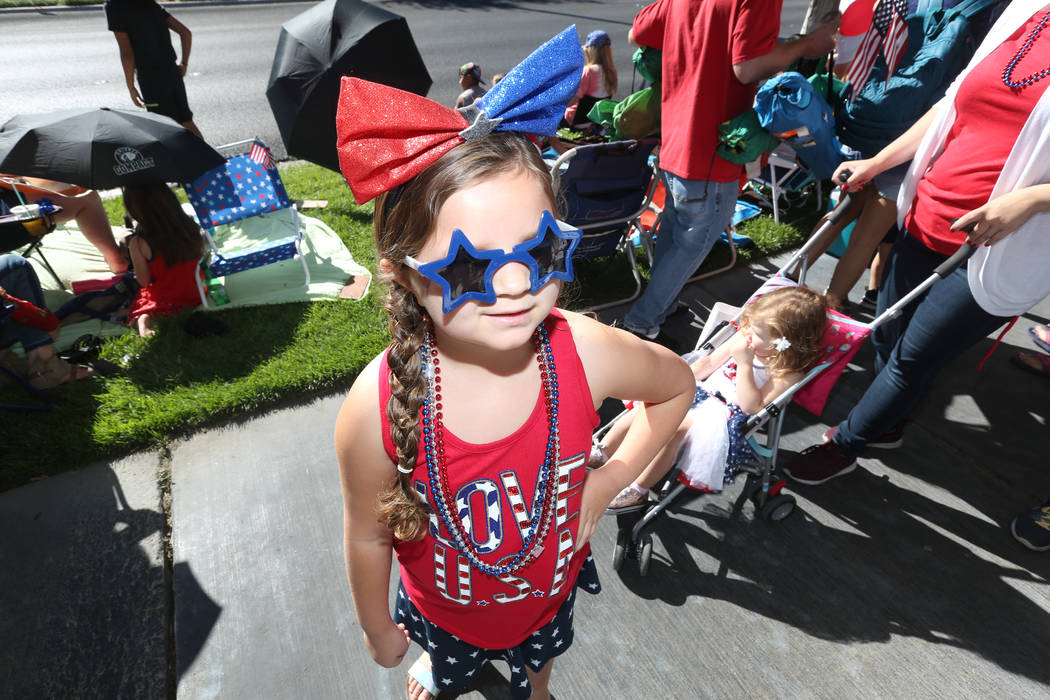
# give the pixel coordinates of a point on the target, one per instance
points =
(466, 273)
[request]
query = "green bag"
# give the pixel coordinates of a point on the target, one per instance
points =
(742, 139)
(647, 62)
(635, 117)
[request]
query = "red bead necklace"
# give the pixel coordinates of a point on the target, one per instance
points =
(453, 514)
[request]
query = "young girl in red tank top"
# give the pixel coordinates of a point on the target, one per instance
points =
(165, 250)
(462, 447)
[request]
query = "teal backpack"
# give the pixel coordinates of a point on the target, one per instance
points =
(940, 44)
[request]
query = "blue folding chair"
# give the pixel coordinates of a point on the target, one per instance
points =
(606, 187)
(247, 185)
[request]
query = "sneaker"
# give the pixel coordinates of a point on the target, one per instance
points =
(868, 302)
(890, 440)
(1032, 528)
(628, 501)
(819, 463)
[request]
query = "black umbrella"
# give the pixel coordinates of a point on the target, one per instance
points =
(316, 49)
(103, 148)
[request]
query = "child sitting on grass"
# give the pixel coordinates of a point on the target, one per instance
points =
(166, 250)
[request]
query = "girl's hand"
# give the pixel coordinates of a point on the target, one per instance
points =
(597, 495)
(391, 647)
(997, 219)
(861, 172)
(742, 351)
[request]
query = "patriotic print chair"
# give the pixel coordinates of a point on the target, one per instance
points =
(247, 185)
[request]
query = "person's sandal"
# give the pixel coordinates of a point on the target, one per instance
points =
(55, 371)
(1036, 363)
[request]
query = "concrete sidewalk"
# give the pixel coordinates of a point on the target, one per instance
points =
(898, 580)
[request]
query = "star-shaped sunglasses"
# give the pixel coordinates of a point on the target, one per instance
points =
(466, 273)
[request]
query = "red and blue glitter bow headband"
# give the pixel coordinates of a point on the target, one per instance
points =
(386, 136)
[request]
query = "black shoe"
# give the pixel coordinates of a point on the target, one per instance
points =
(868, 302)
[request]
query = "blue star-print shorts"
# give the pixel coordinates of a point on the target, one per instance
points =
(455, 663)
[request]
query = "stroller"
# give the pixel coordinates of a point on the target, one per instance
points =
(842, 338)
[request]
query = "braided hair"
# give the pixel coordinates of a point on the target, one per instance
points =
(404, 219)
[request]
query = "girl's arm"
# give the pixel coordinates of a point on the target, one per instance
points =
(750, 397)
(619, 365)
(706, 365)
(364, 470)
(140, 254)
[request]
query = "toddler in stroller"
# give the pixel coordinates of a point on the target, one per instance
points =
(777, 341)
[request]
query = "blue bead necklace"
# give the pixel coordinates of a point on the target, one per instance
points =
(1021, 52)
(545, 498)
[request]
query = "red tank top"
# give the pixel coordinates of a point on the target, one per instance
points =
(989, 116)
(497, 481)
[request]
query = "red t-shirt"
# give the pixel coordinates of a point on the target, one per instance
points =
(496, 482)
(989, 116)
(701, 40)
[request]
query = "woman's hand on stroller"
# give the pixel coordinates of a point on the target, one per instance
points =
(853, 175)
(994, 221)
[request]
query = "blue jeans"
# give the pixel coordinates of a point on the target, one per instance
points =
(19, 279)
(911, 349)
(695, 214)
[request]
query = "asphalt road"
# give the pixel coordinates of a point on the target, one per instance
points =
(66, 58)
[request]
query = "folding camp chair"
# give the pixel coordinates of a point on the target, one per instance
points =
(782, 174)
(25, 235)
(606, 187)
(247, 185)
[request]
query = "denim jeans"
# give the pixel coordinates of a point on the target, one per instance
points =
(19, 279)
(911, 349)
(695, 214)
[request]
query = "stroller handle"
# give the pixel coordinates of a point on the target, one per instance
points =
(843, 205)
(958, 258)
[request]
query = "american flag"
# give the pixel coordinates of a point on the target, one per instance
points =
(888, 33)
(261, 155)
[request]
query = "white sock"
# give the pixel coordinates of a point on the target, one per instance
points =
(638, 489)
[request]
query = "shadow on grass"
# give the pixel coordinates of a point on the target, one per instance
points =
(176, 358)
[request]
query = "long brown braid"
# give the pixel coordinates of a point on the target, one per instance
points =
(402, 227)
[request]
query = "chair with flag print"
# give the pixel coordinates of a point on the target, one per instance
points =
(247, 185)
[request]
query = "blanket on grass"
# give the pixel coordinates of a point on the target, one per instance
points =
(333, 271)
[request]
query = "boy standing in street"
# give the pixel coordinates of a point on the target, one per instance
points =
(142, 31)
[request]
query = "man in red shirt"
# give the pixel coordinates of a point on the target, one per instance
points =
(713, 54)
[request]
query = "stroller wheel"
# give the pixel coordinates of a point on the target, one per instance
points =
(778, 507)
(619, 550)
(645, 555)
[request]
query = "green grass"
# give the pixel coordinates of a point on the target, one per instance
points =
(173, 384)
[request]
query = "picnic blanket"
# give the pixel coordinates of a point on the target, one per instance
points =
(333, 271)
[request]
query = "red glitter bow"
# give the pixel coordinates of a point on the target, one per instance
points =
(387, 136)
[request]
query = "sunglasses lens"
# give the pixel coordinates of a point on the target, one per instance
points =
(550, 253)
(464, 274)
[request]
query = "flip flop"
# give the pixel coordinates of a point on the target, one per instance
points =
(1037, 340)
(424, 675)
(1043, 360)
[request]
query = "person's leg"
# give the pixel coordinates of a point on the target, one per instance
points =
(144, 325)
(909, 264)
(875, 219)
(539, 680)
(92, 221)
(697, 212)
(853, 211)
(945, 324)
